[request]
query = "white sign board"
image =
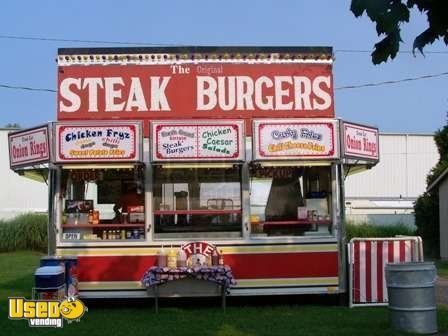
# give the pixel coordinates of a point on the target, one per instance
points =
(71, 236)
(197, 140)
(93, 142)
(29, 147)
(360, 142)
(290, 139)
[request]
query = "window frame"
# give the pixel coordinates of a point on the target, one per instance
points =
(208, 235)
(333, 204)
(59, 208)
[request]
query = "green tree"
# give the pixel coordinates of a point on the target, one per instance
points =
(426, 210)
(390, 15)
(12, 125)
(426, 207)
(441, 140)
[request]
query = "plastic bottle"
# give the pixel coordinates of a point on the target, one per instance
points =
(161, 258)
(172, 258)
(215, 258)
(181, 258)
(221, 258)
(95, 217)
(208, 260)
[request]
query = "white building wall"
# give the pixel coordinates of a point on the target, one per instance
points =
(392, 186)
(18, 194)
(423, 156)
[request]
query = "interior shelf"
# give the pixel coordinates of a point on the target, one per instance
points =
(297, 222)
(101, 226)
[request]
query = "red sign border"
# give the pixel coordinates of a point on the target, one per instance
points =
(352, 155)
(18, 133)
(134, 126)
(330, 124)
(236, 157)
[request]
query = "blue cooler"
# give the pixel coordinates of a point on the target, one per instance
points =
(48, 277)
(70, 263)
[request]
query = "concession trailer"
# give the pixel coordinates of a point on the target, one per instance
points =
(228, 149)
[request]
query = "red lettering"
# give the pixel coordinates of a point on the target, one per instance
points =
(19, 152)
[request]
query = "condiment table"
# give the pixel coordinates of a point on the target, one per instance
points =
(221, 275)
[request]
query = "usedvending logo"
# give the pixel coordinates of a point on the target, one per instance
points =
(46, 313)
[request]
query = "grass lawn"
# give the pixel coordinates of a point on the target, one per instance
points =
(130, 319)
(442, 268)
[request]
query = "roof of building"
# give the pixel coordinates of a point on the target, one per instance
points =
(200, 49)
(438, 180)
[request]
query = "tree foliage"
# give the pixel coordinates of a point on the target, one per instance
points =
(12, 125)
(426, 210)
(389, 15)
(441, 140)
(427, 205)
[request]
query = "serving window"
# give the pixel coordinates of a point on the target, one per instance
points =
(197, 201)
(291, 200)
(103, 204)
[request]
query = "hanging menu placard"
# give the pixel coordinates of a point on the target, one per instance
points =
(198, 141)
(29, 147)
(108, 142)
(290, 139)
(360, 141)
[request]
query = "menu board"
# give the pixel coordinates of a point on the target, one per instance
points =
(29, 147)
(360, 142)
(94, 142)
(290, 139)
(197, 141)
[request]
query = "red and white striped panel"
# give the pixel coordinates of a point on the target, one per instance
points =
(367, 261)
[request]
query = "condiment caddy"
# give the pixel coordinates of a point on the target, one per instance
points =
(178, 258)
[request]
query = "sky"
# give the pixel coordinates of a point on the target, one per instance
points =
(414, 107)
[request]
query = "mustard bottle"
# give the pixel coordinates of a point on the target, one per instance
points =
(172, 258)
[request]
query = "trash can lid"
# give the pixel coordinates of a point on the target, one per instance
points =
(410, 266)
(51, 258)
(60, 258)
(49, 270)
